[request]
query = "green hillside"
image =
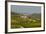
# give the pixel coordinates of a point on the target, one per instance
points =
(32, 20)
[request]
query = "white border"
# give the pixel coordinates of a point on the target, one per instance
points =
(24, 29)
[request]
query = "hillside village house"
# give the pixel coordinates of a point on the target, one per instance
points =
(25, 16)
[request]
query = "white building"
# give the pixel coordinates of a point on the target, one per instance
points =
(23, 16)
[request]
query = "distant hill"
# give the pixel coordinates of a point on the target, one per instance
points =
(14, 13)
(34, 15)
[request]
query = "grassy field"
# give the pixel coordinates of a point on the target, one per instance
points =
(18, 22)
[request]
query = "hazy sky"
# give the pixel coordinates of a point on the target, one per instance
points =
(25, 9)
